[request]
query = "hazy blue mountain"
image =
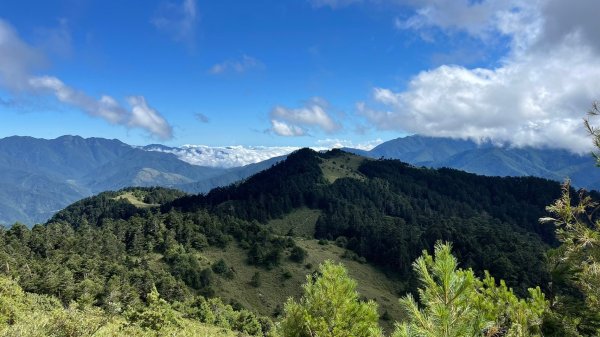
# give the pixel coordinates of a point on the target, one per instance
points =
(144, 168)
(39, 176)
(66, 156)
(28, 197)
(422, 150)
(487, 159)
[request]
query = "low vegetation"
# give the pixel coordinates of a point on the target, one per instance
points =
(338, 165)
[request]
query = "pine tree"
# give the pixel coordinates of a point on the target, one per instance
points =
(455, 303)
(156, 315)
(576, 263)
(330, 307)
(580, 238)
(446, 294)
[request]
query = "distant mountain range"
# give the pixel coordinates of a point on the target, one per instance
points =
(39, 177)
(488, 159)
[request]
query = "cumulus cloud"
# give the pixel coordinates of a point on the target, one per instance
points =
(286, 130)
(145, 117)
(239, 66)
(535, 97)
(18, 61)
(177, 19)
(296, 122)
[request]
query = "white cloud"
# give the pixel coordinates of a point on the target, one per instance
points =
(477, 18)
(106, 107)
(283, 129)
(235, 156)
(145, 117)
(178, 20)
(239, 66)
(537, 96)
(483, 19)
(335, 143)
(225, 156)
(295, 122)
(17, 62)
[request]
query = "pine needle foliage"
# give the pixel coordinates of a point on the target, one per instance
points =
(455, 303)
(330, 307)
(576, 263)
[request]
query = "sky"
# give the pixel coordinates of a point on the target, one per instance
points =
(300, 72)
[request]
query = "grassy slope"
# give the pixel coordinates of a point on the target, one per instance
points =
(134, 201)
(344, 165)
(301, 222)
(275, 288)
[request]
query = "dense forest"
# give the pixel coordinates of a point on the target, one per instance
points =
(394, 210)
(134, 259)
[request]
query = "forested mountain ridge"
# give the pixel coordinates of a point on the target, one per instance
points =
(39, 177)
(387, 213)
(490, 159)
(394, 210)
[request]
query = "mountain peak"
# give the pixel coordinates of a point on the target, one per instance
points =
(490, 159)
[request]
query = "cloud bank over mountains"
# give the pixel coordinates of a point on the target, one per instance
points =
(223, 156)
(20, 63)
(235, 156)
(536, 96)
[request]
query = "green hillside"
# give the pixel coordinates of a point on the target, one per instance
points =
(388, 211)
(249, 246)
(341, 165)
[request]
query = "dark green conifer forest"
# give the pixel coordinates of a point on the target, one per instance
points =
(467, 254)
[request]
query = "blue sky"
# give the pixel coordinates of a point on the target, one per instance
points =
(298, 72)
